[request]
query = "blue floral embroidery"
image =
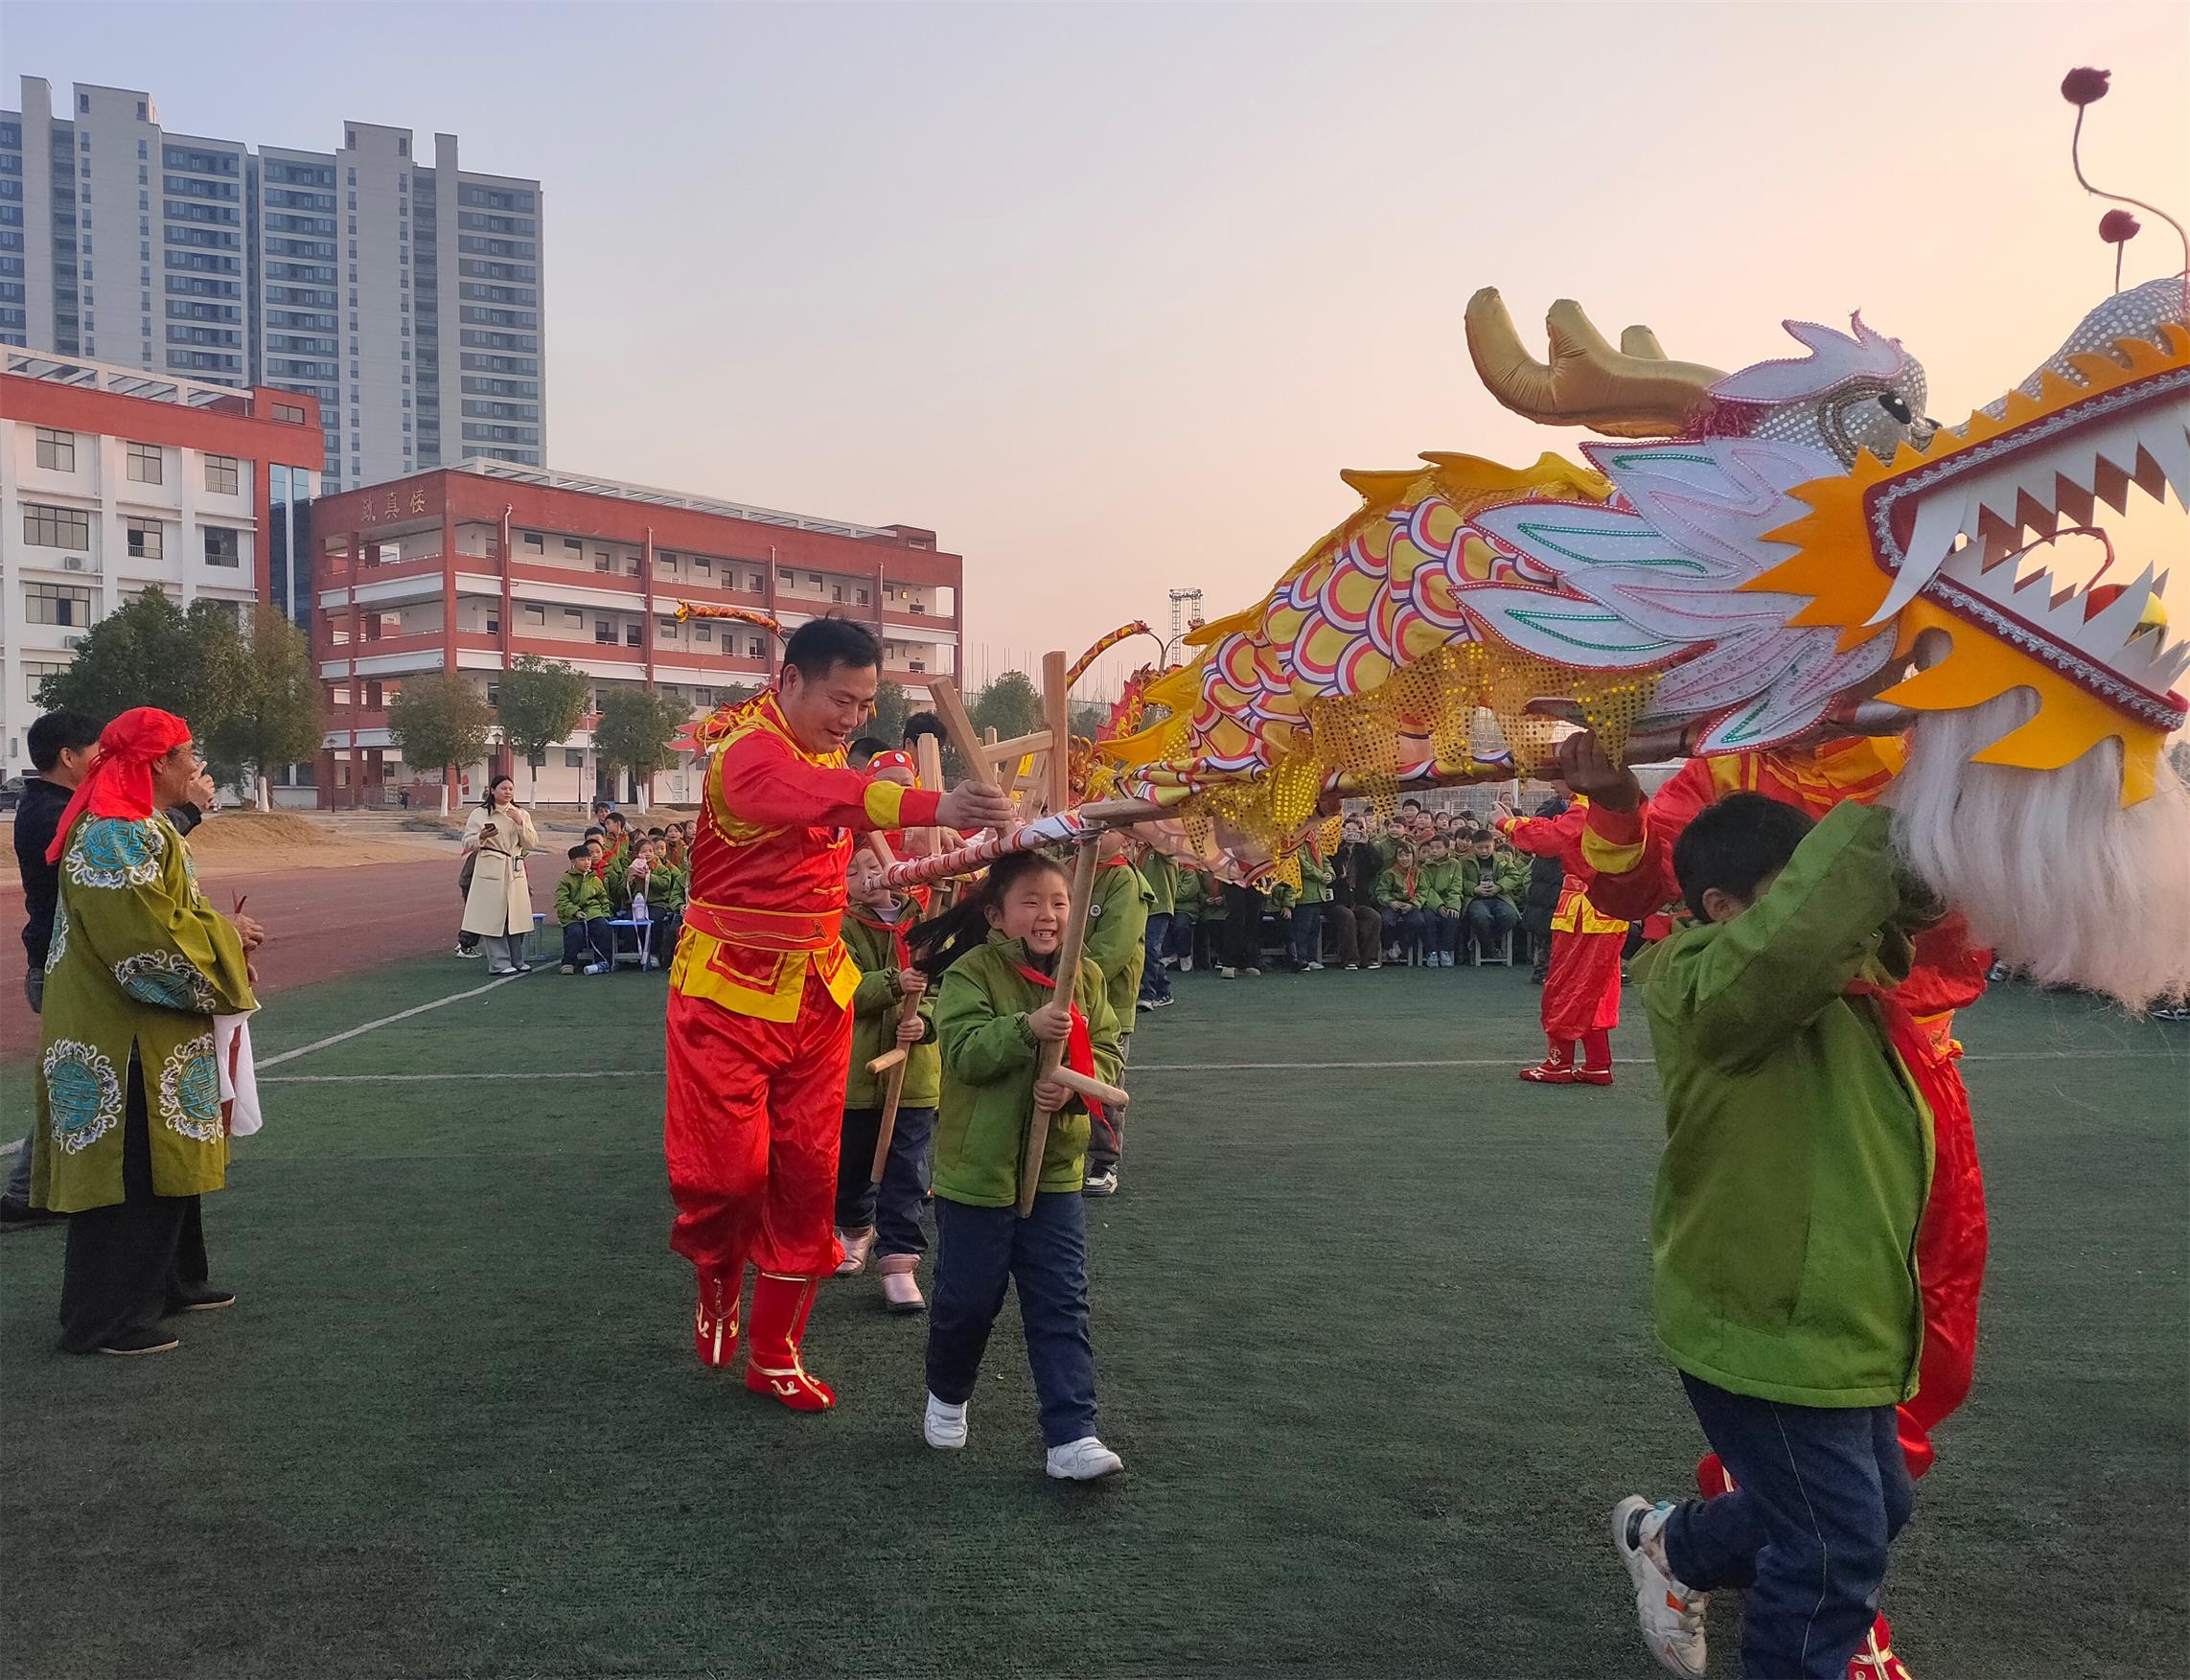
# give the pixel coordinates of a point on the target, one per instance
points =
(58, 949)
(167, 979)
(83, 1098)
(190, 1090)
(113, 851)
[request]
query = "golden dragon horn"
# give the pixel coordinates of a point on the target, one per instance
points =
(1633, 391)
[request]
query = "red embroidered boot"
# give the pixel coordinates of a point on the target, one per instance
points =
(715, 1319)
(1556, 1069)
(780, 1307)
(1875, 1659)
(1596, 1059)
(1712, 1478)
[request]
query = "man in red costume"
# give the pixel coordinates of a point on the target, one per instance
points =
(760, 1025)
(1627, 845)
(1581, 989)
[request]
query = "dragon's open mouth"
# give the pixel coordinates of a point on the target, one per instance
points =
(1958, 531)
(1955, 527)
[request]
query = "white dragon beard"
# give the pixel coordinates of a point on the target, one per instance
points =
(2050, 868)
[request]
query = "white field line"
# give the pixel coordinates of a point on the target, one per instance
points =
(1136, 1071)
(322, 1044)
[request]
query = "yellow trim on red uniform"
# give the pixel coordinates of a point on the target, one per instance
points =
(767, 985)
(1610, 856)
(884, 801)
(1575, 914)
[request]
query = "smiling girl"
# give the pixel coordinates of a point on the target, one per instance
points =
(996, 1007)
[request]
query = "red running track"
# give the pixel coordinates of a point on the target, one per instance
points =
(319, 923)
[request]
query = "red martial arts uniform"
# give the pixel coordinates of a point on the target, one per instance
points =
(760, 1032)
(1581, 989)
(1629, 858)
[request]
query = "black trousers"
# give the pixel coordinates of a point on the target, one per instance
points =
(127, 1262)
(1242, 927)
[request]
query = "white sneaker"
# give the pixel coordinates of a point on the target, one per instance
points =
(1312, 968)
(1186, 965)
(945, 1425)
(1226, 974)
(1086, 1459)
(1670, 1612)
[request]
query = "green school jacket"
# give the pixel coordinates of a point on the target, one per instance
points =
(580, 897)
(1161, 874)
(1798, 1153)
(1315, 880)
(1187, 893)
(1391, 892)
(874, 1020)
(1117, 934)
(139, 965)
(989, 1060)
(1440, 884)
(1510, 870)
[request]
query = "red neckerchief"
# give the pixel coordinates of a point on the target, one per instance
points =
(1079, 1042)
(1409, 879)
(899, 949)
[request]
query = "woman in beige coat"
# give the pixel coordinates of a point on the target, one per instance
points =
(498, 907)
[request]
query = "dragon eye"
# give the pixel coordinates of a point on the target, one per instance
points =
(1894, 406)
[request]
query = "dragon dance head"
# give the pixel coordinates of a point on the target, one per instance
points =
(1753, 557)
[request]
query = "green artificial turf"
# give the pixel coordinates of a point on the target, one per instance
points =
(1372, 1341)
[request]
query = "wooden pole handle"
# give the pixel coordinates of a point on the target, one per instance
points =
(958, 726)
(1052, 1056)
(1090, 1088)
(892, 1092)
(889, 1061)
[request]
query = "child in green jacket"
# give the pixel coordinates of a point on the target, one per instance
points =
(1797, 1162)
(885, 1217)
(1442, 902)
(1491, 884)
(1308, 909)
(1400, 896)
(582, 910)
(996, 1009)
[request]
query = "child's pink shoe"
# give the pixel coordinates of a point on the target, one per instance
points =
(900, 1291)
(856, 1243)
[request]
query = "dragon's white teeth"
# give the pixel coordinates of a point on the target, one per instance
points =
(2170, 448)
(2111, 627)
(1940, 519)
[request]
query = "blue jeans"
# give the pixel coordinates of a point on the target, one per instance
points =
(1308, 934)
(1408, 929)
(893, 1206)
(980, 1250)
(1819, 1494)
(1488, 921)
(1442, 928)
(588, 942)
(1155, 983)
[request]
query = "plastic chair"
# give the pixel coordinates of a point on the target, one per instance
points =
(642, 945)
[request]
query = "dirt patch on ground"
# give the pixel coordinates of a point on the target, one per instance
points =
(288, 840)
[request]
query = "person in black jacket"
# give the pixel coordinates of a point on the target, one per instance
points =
(61, 745)
(1544, 877)
(1355, 919)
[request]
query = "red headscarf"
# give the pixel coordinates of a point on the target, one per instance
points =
(120, 781)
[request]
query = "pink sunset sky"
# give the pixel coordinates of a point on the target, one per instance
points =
(1108, 294)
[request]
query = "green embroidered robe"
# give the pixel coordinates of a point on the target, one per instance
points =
(140, 964)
